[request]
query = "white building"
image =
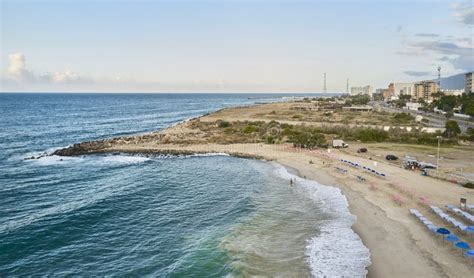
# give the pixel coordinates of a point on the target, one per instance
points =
(367, 90)
(403, 89)
(412, 106)
(453, 92)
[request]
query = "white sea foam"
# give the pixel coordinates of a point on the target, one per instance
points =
(337, 251)
(121, 159)
(208, 154)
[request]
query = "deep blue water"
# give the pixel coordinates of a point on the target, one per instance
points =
(199, 216)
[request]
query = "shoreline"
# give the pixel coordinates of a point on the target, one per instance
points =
(399, 245)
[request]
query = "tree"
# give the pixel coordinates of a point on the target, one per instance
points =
(452, 129)
(307, 139)
(447, 103)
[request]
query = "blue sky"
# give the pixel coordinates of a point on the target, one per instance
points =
(230, 46)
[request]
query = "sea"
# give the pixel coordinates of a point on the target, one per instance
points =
(207, 215)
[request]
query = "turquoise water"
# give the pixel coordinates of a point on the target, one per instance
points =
(199, 216)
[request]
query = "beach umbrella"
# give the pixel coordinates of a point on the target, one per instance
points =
(452, 238)
(462, 245)
(443, 231)
(469, 229)
(469, 253)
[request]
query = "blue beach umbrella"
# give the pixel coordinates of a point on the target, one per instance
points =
(470, 229)
(452, 238)
(462, 245)
(443, 231)
(469, 253)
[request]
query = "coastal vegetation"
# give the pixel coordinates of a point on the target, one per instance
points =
(308, 136)
(469, 185)
(306, 124)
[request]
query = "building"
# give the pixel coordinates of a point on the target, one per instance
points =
(403, 89)
(367, 90)
(387, 94)
(453, 92)
(468, 87)
(414, 106)
(425, 89)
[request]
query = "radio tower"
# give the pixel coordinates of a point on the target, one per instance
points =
(347, 86)
(325, 88)
(439, 78)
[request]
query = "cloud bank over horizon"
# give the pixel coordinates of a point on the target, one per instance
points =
(229, 46)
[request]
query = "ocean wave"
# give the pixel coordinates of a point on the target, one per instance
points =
(121, 159)
(337, 251)
(207, 154)
(111, 159)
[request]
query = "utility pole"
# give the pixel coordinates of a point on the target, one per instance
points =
(325, 88)
(439, 78)
(437, 157)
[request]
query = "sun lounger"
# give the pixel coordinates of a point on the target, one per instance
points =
(449, 219)
(466, 215)
(429, 225)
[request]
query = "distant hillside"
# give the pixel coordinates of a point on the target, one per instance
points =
(453, 82)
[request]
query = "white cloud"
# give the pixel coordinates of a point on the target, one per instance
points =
(17, 68)
(464, 12)
(18, 72)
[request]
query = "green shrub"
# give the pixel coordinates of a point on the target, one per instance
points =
(371, 135)
(469, 185)
(307, 139)
(403, 118)
(222, 124)
(270, 139)
(250, 129)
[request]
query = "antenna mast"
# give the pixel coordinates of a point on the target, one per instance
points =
(325, 88)
(347, 86)
(439, 78)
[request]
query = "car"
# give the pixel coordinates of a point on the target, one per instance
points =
(391, 157)
(362, 150)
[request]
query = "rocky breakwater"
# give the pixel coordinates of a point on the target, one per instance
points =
(90, 147)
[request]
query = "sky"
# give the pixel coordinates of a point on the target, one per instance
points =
(229, 46)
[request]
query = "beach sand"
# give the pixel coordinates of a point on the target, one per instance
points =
(400, 245)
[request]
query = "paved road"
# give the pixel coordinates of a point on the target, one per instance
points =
(435, 120)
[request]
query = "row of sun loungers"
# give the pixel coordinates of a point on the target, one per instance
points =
(424, 220)
(448, 218)
(370, 170)
(466, 215)
(341, 170)
(447, 235)
(460, 225)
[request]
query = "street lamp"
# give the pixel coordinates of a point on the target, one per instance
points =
(437, 157)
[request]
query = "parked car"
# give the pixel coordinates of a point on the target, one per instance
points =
(391, 157)
(362, 150)
(339, 144)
